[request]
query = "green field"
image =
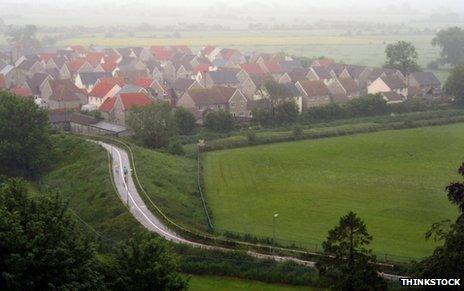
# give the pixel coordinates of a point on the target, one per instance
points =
(210, 283)
(393, 179)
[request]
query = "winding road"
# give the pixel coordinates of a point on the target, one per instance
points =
(129, 195)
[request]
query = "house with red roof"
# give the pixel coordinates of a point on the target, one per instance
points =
(314, 93)
(153, 87)
(21, 91)
(63, 94)
(79, 66)
(2, 82)
(124, 102)
(103, 91)
(78, 49)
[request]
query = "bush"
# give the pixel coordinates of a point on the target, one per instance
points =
(175, 147)
(297, 131)
(220, 121)
(251, 137)
(185, 121)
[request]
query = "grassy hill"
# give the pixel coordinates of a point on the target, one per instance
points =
(170, 181)
(81, 175)
(393, 179)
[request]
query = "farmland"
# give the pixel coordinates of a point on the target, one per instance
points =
(207, 283)
(364, 50)
(393, 179)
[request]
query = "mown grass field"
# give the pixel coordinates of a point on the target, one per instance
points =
(393, 179)
(81, 176)
(211, 283)
(170, 181)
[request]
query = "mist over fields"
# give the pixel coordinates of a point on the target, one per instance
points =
(236, 14)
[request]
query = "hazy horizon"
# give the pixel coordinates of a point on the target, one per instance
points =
(133, 12)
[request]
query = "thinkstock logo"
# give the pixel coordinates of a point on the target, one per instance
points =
(429, 282)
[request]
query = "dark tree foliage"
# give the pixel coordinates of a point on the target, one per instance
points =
(348, 264)
(24, 138)
(146, 262)
(219, 121)
(185, 121)
(402, 56)
(447, 261)
(370, 105)
(41, 246)
(454, 85)
(153, 125)
(451, 42)
(285, 112)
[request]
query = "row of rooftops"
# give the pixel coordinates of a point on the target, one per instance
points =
(133, 68)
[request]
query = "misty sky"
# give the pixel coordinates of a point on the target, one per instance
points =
(107, 12)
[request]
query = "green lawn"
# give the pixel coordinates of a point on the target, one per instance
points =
(82, 177)
(170, 181)
(210, 283)
(393, 179)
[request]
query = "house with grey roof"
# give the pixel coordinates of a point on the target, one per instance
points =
(424, 84)
(87, 80)
(226, 78)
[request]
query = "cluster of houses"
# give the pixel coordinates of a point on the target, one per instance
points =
(114, 80)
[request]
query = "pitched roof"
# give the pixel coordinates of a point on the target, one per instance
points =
(35, 81)
(182, 84)
(322, 73)
(298, 74)
(108, 105)
(21, 91)
(393, 82)
(376, 73)
(76, 64)
(78, 49)
(90, 78)
(82, 119)
(314, 88)
(202, 68)
(349, 85)
(208, 49)
(102, 89)
(113, 80)
(109, 66)
(392, 96)
(223, 77)
(129, 100)
(64, 90)
(355, 70)
(211, 96)
(273, 67)
(131, 75)
(426, 78)
(2, 82)
(289, 65)
(26, 64)
(252, 68)
(130, 88)
(144, 82)
(323, 62)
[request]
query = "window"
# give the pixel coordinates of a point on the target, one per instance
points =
(232, 104)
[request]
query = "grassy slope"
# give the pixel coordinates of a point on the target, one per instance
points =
(394, 180)
(82, 176)
(171, 183)
(210, 283)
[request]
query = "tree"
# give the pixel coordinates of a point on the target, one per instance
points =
(451, 42)
(25, 147)
(447, 261)
(286, 112)
(347, 263)
(146, 263)
(153, 125)
(454, 85)
(221, 121)
(369, 105)
(41, 246)
(26, 35)
(402, 56)
(185, 121)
